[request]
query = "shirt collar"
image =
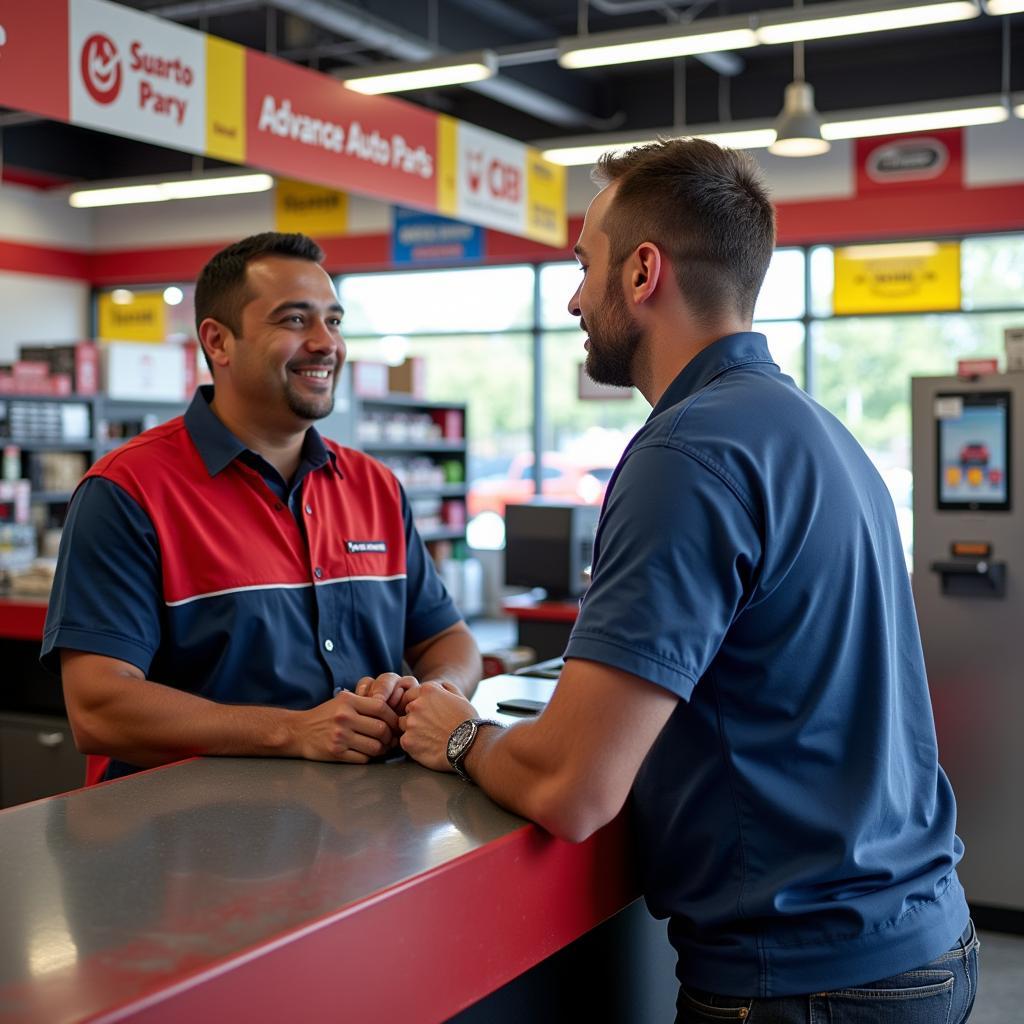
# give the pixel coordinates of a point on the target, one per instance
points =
(218, 447)
(724, 354)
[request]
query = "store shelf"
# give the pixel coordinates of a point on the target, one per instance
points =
(52, 497)
(443, 491)
(444, 533)
(388, 447)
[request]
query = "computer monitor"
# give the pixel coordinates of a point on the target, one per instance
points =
(550, 545)
(973, 470)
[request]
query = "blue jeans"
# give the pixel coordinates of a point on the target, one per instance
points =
(940, 992)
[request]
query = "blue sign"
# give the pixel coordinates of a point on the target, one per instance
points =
(422, 238)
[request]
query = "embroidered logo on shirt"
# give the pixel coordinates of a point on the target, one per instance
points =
(356, 547)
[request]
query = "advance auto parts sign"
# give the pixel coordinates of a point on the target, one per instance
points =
(136, 75)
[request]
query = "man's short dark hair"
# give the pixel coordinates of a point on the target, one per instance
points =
(705, 207)
(221, 291)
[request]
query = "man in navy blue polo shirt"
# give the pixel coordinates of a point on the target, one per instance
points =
(233, 583)
(747, 659)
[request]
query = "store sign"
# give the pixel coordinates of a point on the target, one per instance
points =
(310, 126)
(142, 318)
(33, 57)
(424, 238)
(934, 160)
(137, 76)
(109, 67)
(898, 282)
(310, 209)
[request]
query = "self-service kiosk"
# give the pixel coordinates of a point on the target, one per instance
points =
(968, 464)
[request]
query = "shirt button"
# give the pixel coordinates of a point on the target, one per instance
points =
(318, 572)
(309, 510)
(278, 506)
(329, 645)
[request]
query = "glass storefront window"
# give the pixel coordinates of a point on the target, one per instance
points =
(437, 301)
(782, 294)
(786, 344)
(558, 283)
(992, 271)
(822, 275)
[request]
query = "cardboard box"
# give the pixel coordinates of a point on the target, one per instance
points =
(78, 362)
(139, 370)
(369, 379)
(409, 377)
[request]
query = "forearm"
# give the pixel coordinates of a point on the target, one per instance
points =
(518, 768)
(146, 724)
(453, 657)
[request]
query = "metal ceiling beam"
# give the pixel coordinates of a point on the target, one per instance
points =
(355, 23)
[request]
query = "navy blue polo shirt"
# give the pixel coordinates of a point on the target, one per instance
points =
(793, 822)
(188, 556)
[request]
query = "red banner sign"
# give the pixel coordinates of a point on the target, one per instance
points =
(901, 162)
(34, 57)
(309, 126)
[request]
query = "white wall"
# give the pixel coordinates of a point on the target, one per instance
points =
(41, 309)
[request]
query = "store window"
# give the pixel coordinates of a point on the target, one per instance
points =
(473, 329)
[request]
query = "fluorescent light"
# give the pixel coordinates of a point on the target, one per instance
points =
(997, 7)
(625, 47)
(173, 295)
(1019, 110)
(122, 297)
(889, 251)
(824, 20)
(163, 191)
(836, 126)
(401, 77)
(587, 149)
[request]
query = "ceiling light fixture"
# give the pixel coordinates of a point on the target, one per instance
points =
(914, 118)
(580, 150)
(163, 191)
(798, 129)
(455, 69)
(999, 7)
(624, 47)
(852, 17)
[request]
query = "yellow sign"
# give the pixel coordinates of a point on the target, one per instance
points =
(447, 165)
(545, 200)
(139, 316)
(902, 277)
(225, 100)
(312, 209)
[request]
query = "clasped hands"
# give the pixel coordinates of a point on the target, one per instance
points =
(356, 725)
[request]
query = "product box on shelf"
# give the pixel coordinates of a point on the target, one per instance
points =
(77, 363)
(15, 498)
(409, 377)
(139, 370)
(369, 379)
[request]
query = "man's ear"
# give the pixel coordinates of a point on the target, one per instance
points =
(214, 336)
(645, 269)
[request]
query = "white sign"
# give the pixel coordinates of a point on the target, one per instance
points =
(492, 179)
(136, 75)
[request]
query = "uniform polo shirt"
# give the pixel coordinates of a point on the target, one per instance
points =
(793, 822)
(187, 555)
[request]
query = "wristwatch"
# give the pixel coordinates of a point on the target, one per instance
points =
(461, 740)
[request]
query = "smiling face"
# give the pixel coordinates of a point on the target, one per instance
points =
(613, 335)
(284, 365)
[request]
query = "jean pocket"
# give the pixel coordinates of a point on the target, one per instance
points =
(695, 1007)
(914, 997)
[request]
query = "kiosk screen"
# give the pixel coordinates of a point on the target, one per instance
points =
(973, 447)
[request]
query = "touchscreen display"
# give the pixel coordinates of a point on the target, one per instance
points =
(973, 450)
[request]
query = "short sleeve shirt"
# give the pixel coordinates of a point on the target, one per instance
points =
(793, 821)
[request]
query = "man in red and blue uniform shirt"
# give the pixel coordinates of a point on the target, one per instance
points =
(233, 583)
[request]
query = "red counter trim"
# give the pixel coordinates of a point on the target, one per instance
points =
(451, 936)
(22, 620)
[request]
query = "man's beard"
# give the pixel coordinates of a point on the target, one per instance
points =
(615, 338)
(313, 407)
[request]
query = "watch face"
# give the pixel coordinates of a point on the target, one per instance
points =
(460, 739)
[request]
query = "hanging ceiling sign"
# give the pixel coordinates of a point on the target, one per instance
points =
(33, 57)
(141, 317)
(420, 238)
(310, 209)
(309, 125)
(914, 277)
(136, 75)
(894, 162)
(113, 68)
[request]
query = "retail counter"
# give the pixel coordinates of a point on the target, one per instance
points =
(270, 890)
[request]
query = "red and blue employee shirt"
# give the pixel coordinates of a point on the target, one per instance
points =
(188, 556)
